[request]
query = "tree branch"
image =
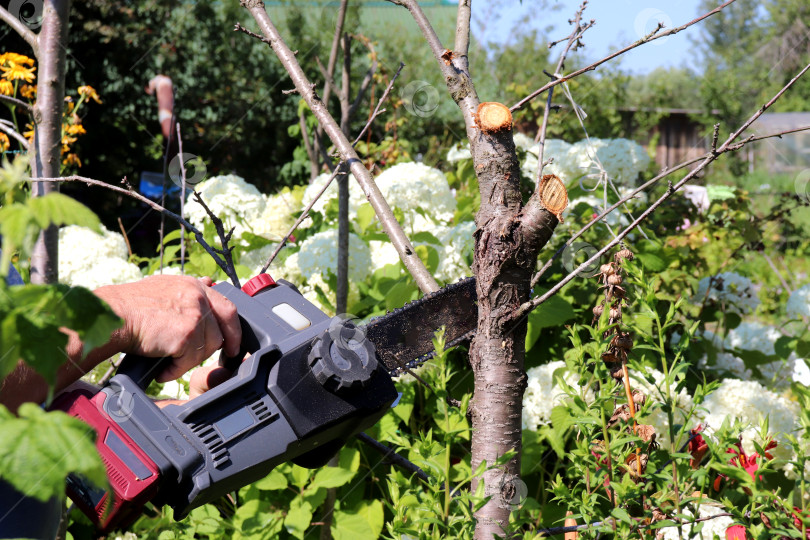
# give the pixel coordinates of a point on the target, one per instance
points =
(9, 129)
(305, 212)
(369, 77)
(727, 146)
(462, 45)
(149, 202)
(454, 70)
(14, 102)
(389, 223)
(26, 33)
(646, 39)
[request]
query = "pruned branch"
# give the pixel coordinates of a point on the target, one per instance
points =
(462, 44)
(26, 33)
(406, 252)
(646, 39)
(728, 146)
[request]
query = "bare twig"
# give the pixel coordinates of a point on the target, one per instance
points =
(573, 41)
(182, 200)
(646, 39)
(14, 102)
(638, 190)
(213, 252)
(26, 33)
(727, 146)
(462, 44)
(224, 239)
(573, 528)
(368, 78)
(405, 249)
(305, 213)
(126, 237)
(8, 127)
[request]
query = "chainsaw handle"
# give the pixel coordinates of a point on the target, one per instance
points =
(141, 369)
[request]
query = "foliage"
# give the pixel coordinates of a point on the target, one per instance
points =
(40, 448)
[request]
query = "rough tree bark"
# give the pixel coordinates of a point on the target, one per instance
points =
(47, 115)
(508, 238)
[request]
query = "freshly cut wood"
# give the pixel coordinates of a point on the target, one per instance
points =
(493, 116)
(553, 195)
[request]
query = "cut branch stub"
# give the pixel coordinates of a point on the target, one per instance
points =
(553, 195)
(492, 116)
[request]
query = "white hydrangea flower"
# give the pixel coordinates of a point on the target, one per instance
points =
(553, 148)
(168, 271)
(753, 336)
(750, 402)
(237, 203)
(413, 186)
(382, 253)
(356, 196)
(543, 394)
(255, 260)
(276, 218)
(89, 259)
(458, 152)
(457, 245)
(712, 528)
(656, 393)
(523, 141)
(318, 254)
(729, 363)
(737, 292)
(798, 304)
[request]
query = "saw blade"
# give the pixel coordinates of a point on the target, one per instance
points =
(404, 337)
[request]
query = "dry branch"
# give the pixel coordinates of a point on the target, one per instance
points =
(24, 32)
(646, 39)
(728, 146)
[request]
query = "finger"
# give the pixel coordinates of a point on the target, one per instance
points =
(206, 378)
(228, 321)
(191, 355)
(207, 281)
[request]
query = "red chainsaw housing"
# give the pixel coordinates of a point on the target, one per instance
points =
(133, 476)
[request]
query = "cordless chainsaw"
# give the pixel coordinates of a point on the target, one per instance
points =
(308, 384)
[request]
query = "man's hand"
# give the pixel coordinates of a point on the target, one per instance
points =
(175, 316)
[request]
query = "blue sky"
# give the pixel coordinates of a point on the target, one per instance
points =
(618, 23)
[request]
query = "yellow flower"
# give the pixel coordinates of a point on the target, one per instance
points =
(14, 71)
(16, 58)
(68, 140)
(90, 92)
(29, 132)
(6, 88)
(28, 91)
(75, 129)
(4, 142)
(72, 159)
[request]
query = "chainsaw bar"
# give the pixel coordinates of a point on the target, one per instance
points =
(404, 337)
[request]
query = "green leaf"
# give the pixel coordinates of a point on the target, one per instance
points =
(424, 236)
(719, 193)
(59, 209)
(429, 256)
(365, 217)
(300, 476)
(81, 310)
(651, 262)
(551, 313)
(39, 449)
(272, 482)
(365, 521)
(40, 345)
(399, 295)
(298, 517)
(18, 229)
(329, 477)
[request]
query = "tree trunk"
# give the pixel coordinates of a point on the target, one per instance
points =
(508, 239)
(46, 158)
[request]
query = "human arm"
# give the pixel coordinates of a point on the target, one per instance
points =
(175, 316)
